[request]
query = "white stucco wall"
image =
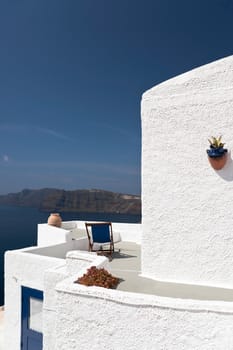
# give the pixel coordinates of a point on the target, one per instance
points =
(97, 318)
(50, 235)
(186, 205)
(76, 264)
(30, 267)
(75, 316)
(21, 269)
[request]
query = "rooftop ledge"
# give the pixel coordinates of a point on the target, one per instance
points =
(126, 264)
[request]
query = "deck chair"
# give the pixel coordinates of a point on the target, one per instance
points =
(100, 235)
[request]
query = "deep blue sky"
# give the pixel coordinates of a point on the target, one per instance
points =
(72, 73)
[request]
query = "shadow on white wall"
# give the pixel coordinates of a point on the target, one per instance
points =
(227, 172)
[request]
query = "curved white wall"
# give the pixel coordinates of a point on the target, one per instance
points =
(98, 318)
(187, 206)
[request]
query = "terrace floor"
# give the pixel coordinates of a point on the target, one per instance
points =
(126, 265)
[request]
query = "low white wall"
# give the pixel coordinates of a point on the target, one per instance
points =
(76, 264)
(30, 267)
(56, 251)
(81, 244)
(50, 235)
(78, 260)
(51, 278)
(60, 250)
(128, 232)
(21, 269)
(75, 316)
(97, 318)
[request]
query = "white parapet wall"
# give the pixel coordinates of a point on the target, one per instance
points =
(76, 316)
(97, 318)
(76, 264)
(22, 269)
(41, 268)
(51, 235)
(187, 205)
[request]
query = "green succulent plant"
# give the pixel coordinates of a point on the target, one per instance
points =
(216, 142)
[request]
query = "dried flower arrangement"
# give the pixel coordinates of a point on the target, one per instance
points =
(99, 278)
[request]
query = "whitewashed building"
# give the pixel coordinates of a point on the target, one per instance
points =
(180, 296)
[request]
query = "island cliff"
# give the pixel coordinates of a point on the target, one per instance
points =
(100, 201)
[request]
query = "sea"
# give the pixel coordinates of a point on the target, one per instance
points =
(18, 229)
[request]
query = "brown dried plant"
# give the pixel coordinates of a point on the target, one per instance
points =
(99, 278)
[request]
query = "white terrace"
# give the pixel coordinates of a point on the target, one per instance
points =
(176, 266)
(127, 312)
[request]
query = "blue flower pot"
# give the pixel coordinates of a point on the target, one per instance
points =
(216, 152)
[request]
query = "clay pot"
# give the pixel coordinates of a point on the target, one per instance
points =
(54, 220)
(218, 162)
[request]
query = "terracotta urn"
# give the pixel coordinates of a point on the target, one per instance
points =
(218, 162)
(54, 220)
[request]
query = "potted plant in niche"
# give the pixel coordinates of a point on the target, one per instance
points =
(217, 154)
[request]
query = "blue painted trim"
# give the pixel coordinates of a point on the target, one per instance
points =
(30, 339)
